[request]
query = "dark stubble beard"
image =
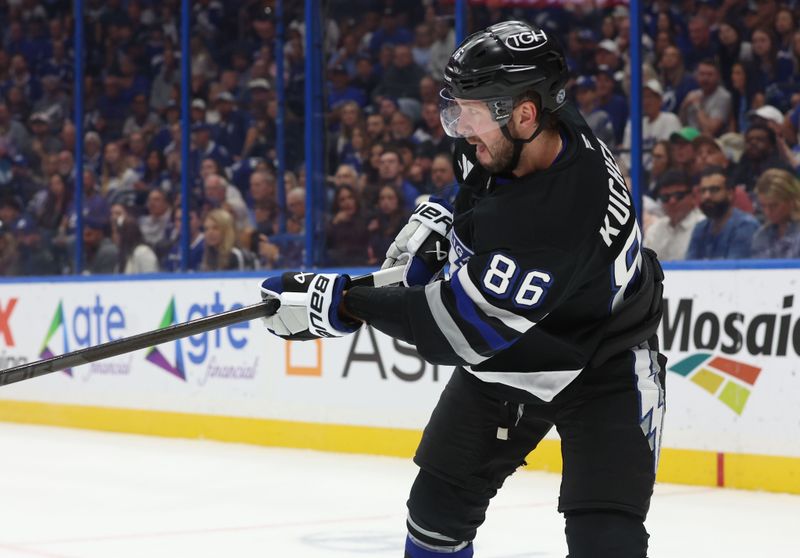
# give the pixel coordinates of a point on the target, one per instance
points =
(502, 154)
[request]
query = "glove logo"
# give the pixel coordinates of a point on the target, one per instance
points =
(316, 319)
(301, 277)
(440, 254)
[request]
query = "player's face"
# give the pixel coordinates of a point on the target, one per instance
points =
(493, 149)
(475, 123)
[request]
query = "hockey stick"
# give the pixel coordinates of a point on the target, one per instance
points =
(171, 333)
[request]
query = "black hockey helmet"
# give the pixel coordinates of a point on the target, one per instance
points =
(499, 64)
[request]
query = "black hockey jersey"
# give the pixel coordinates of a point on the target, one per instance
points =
(543, 271)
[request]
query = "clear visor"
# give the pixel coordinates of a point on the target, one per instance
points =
(463, 118)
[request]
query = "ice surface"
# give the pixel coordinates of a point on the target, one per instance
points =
(80, 494)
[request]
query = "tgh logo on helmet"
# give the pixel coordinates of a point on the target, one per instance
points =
(526, 40)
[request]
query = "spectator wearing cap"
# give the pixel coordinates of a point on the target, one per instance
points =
(10, 210)
(726, 232)
(100, 253)
(22, 183)
(34, 255)
(656, 124)
(341, 91)
(197, 111)
(607, 54)
(709, 152)
(708, 107)
(389, 32)
(258, 97)
(597, 119)
(775, 121)
(365, 78)
(43, 141)
(674, 78)
(233, 125)
(608, 100)
(204, 147)
(682, 149)
(760, 154)
(779, 197)
(669, 235)
(402, 77)
(142, 119)
(700, 45)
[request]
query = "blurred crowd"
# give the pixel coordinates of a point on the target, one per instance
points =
(721, 128)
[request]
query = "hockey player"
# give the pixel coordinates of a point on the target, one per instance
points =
(549, 313)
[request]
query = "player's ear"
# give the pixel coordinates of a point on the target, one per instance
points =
(526, 116)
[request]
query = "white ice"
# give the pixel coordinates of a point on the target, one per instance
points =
(81, 494)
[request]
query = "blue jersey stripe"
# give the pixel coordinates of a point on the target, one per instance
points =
(468, 311)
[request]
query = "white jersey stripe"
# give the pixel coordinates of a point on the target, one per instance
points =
(448, 327)
(514, 321)
(545, 384)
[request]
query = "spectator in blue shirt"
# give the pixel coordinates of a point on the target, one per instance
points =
(727, 232)
(233, 124)
(676, 80)
(389, 32)
(612, 103)
(340, 90)
(701, 44)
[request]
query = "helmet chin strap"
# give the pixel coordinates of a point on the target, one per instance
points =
(520, 143)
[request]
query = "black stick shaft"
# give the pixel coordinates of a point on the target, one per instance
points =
(167, 334)
(136, 342)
